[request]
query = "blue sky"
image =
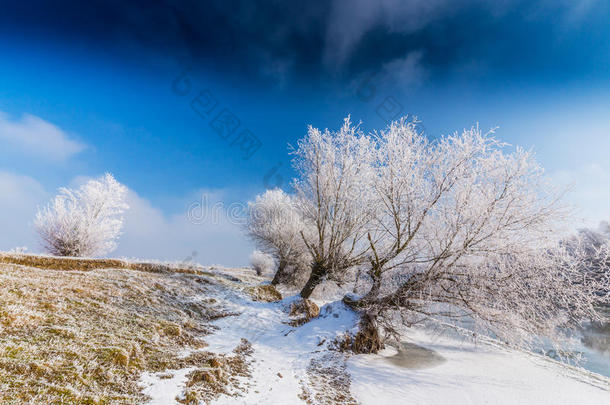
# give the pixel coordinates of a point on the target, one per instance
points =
(91, 87)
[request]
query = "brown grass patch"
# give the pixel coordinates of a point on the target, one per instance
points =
(328, 382)
(302, 311)
(87, 264)
(367, 340)
(220, 377)
(265, 293)
(84, 336)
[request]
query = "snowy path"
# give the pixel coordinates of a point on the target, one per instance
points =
(282, 365)
(282, 353)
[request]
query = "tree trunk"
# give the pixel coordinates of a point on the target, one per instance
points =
(367, 340)
(376, 287)
(317, 273)
(279, 274)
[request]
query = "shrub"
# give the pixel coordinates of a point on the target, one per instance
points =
(83, 222)
(262, 262)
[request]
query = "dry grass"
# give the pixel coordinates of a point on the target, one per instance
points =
(84, 336)
(302, 311)
(221, 377)
(328, 381)
(264, 293)
(86, 264)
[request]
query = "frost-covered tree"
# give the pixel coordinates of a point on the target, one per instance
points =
(332, 187)
(593, 239)
(464, 228)
(589, 243)
(83, 222)
(262, 262)
(275, 224)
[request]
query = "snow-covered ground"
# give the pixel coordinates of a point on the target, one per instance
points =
(282, 353)
(290, 364)
(164, 388)
(473, 374)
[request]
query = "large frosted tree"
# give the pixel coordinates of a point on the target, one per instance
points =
(332, 188)
(467, 228)
(463, 229)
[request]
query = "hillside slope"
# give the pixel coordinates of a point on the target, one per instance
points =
(152, 333)
(87, 336)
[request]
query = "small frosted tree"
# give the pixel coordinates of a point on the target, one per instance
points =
(83, 222)
(262, 262)
(275, 225)
(590, 244)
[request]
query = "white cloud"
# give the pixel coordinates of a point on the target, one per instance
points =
(19, 198)
(203, 225)
(34, 136)
(348, 25)
(405, 72)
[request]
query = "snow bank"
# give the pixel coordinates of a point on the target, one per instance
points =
(472, 374)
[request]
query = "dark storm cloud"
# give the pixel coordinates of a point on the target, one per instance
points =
(340, 38)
